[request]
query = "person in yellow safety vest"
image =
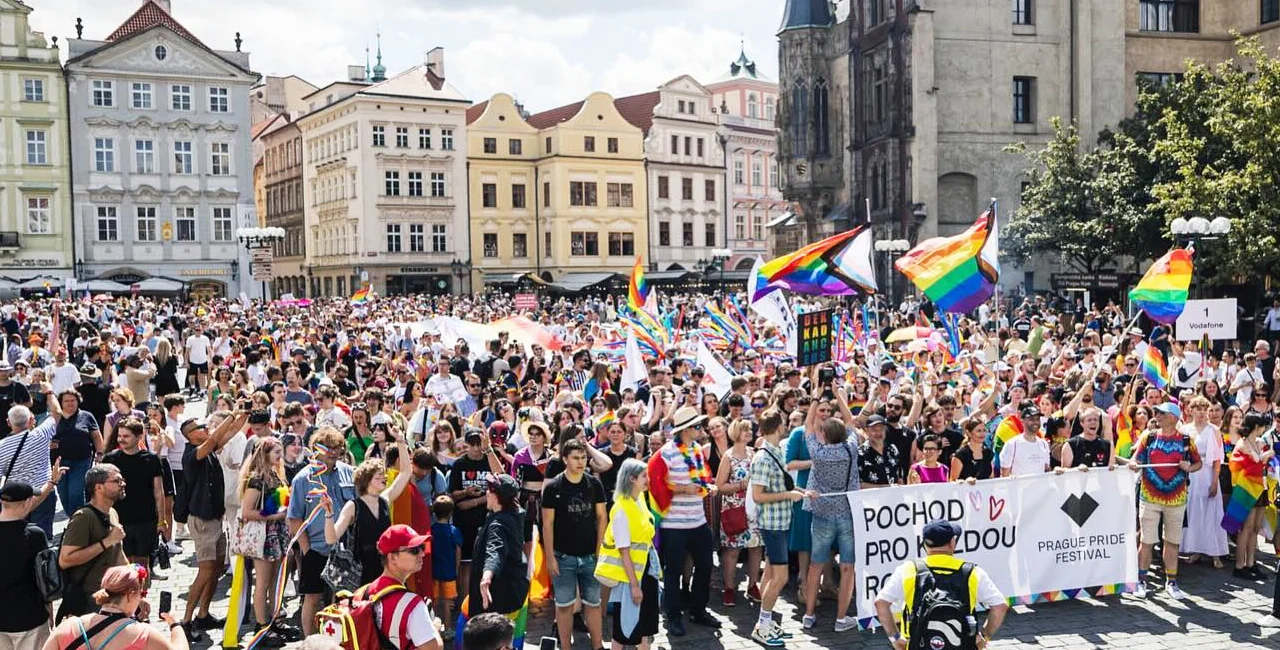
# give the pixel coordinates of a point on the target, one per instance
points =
(965, 582)
(627, 562)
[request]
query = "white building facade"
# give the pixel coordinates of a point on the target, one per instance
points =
(161, 160)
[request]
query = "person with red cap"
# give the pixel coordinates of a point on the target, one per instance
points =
(403, 616)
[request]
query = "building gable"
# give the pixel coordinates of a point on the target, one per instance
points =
(181, 57)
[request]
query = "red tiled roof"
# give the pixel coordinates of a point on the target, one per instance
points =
(262, 126)
(554, 116)
(476, 111)
(636, 109)
(147, 16)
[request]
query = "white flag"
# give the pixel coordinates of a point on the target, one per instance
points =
(717, 376)
(633, 371)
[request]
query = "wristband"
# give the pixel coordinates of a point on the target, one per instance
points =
(173, 625)
(103, 544)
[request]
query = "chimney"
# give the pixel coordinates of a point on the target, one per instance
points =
(167, 5)
(355, 73)
(435, 61)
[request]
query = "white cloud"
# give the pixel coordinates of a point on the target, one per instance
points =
(671, 51)
(536, 72)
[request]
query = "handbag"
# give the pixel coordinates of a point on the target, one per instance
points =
(249, 539)
(733, 521)
(343, 569)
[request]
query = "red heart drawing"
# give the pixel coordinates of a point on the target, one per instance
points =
(995, 507)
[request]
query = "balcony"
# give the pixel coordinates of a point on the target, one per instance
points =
(9, 240)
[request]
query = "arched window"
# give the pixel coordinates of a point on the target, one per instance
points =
(753, 110)
(820, 121)
(768, 108)
(799, 114)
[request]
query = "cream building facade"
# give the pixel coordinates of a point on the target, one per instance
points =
(36, 234)
(384, 176)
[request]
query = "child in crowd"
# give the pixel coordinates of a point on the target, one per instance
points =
(446, 555)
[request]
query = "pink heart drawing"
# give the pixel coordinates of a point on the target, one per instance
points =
(995, 507)
(975, 499)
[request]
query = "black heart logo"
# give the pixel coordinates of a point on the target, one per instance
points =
(1080, 508)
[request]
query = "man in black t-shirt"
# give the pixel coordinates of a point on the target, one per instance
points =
(1087, 449)
(573, 520)
(25, 618)
(468, 486)
(137, 509)
(900, 437)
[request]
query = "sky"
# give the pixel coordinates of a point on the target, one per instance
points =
(546, 53)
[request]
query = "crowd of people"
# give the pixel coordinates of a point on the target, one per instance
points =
(398, 452)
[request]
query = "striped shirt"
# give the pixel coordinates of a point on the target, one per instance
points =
(32, 467)
(686, 509)
(574, 380)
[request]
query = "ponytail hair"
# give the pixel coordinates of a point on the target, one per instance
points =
(119, 581)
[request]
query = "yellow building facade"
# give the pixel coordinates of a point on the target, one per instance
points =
(557, 193)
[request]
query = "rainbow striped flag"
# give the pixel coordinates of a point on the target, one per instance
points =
(638, 290)
(1162, 292)
(836, 266)
(1124, 435)
(1154, 368)
(1011, 427)
(1248, 476)
(957, 273)
(362, 296)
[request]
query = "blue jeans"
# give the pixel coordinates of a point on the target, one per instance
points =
(42, 516)
(71, 485)
(577, 576)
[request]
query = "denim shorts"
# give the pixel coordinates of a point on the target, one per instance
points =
(775, 546)
(829, 533)
(577, 576)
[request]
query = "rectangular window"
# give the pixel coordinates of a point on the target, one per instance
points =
(104, 94)
(104, 154)
(546, 244)
(680, 106)
(417, 238)
(757, 173)
(664, 233)
(710, 189)
(379, 136)
(220, 158)
(700, 144)
(612, 145)
(490, 244)
(664, 189)
(222, 224)
(180, 97)
(393, 238)
(415, 183)
(688, 142)
(33, 90)
(108, 224)
(446, 139)
(1159, 79)
(517, 196)
(424, 138)
(622, 244)
(1022, 12)
(1023, 100)
(548, 144)
(402, 137)
(1169, 16)
(219, 100)
(620, 195)
(439, 238)
(757, 226)
(37, 147)
(437, 185)
(675, 145)
(519, 245)
(184, 223)
(146, 225)
(142, 95)
(582, 193)
(584, 244)
(491, 145)
(739, 226)
(686, 234)
(711, 234)
(391, 183)
(773, 174)
(588, 144)
(738, 171)
(546, 194)
(1270, 11)
(182, 158)
(144, 157)
(38, 219)
(489, 195)
(515, 146)
(686, 189)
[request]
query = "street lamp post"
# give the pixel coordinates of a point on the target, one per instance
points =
(259, 239)
(721, 257)
(892, 248)
(460, 268)
(311, 281)
(1199, 229)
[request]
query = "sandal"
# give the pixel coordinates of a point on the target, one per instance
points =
(1217, 563)
(1194, 558)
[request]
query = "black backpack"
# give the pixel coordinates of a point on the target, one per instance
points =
(44, 563)
(941, 616)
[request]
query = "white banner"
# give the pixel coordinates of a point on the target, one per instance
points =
(1041, 538)
(1217, 317)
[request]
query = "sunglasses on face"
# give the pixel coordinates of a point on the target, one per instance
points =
(417, 550)
(757, 405)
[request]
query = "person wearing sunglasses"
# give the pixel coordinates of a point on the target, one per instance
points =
(402, 549)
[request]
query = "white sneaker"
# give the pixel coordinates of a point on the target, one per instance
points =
(808, 621)
(173, 547)
(846, 623)
(1141, 590)
(767, 636)
(1175, 592)
(1269, 621)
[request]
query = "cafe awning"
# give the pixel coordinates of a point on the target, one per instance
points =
(784, 219)
(577, 282)
(160, 285)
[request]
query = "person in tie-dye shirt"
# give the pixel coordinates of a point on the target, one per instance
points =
(1162, 492)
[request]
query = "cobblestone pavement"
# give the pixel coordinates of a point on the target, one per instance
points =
(1220, 613)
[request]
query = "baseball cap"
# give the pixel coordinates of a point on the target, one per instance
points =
(1031, 411)
(398, 537)
(1171, 409)
(473, 436)
(504, 485)
(16, 492)
(876, 419)
(936, 533)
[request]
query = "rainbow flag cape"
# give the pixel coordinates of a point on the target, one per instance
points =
(957, 273)
(1248, 476)
(1011, 427)
(270, 342)
(660, 493)
(1154, 368)
(1162, 292)
(836, 266)
(412, 510)
(1124, 436)
(638, 290)
(362, 296)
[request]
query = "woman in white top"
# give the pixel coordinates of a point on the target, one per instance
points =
(1028, 453)
(1204, 534)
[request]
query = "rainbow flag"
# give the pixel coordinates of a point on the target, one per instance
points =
(638, 290)
(660, 492)
(836, 266)
(412, 510)
(270, 342)
(1162, 292)
(1124, 435)
(957, 273)
(1154, 368)
(1011, 427)
(1248, 476)
(362, 296)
